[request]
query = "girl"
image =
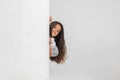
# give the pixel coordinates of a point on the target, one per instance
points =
(57, 48)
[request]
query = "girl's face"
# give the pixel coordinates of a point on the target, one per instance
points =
(56, 30)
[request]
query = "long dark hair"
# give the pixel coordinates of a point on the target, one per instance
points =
(60, 43)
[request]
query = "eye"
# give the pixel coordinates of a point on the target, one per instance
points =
(58, 31)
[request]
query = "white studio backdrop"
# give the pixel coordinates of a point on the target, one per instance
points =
(23, 39)
(92, 34)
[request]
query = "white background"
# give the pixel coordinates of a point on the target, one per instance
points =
(24, 39)
(92, 34)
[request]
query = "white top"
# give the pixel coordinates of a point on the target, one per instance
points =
(55, 51)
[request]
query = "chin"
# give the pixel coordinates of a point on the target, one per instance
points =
(53, 36)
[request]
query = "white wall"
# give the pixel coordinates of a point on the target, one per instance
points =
(92, 32)
(23, 39)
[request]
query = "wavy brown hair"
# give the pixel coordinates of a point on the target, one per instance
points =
(60, 43)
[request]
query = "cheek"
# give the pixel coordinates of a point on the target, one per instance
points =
(52, 32)
(57, 34)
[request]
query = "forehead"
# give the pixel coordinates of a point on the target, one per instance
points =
(58, 26)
